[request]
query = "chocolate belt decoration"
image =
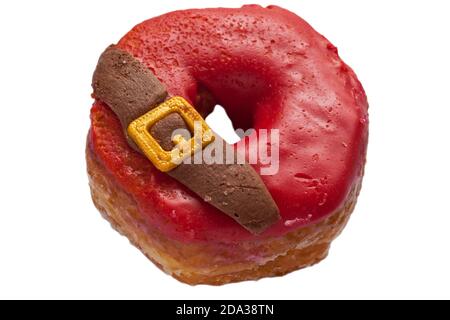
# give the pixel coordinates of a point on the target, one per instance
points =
(137, 97)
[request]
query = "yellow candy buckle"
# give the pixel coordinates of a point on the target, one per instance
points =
(139, 132)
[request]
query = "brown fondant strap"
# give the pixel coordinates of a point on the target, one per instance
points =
(131, 90)
(127, 86)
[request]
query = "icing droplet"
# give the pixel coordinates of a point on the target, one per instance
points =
(323, 200)
(290, 223)
(302, 176)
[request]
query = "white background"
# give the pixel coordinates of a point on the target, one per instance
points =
(53, 242)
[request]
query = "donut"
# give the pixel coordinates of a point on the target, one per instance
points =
(269, 69)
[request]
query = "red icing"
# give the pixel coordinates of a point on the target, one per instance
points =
(269, 69)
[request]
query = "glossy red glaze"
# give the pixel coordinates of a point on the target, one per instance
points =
(269, 69)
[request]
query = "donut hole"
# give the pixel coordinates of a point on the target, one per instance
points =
(239, 90)
(220, 122)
